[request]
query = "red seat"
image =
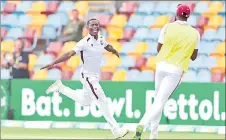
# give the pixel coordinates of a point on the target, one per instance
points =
(217, 77)
(51, 7)
(128, 34)
(104, 20)
(202, 21)
(201, 31)
(3, 32)
(29, 34)
(54, 47)
(27, 44)
(9, 8)
(67, 75)
(106, 75)
(140, 62)
(191, 5)
(128, 7)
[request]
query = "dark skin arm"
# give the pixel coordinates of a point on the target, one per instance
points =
(62, 58)
(159, 47)
(109, 48)
(194, 55)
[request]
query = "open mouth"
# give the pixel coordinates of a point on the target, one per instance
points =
(95, 30)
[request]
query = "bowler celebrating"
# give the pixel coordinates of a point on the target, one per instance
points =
(91, 49)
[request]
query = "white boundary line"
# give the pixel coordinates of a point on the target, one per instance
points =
(97, 125)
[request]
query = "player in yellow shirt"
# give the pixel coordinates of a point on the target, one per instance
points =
(177, 46)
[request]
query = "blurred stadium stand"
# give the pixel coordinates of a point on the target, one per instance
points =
(131, 27)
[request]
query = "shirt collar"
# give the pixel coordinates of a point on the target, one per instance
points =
(90, 36)
(181, 22)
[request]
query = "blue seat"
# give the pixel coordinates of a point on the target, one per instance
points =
(45, 59)
(127, 61)
(54, 74)
(57, 20)
(152, 47)
(132, 75)
(65, 6)
(201, 7)
(135, 21)
(128, 47)
(5, 74)
(207, 47)
(146, 76)
(145, 8)
(49, 32)
(140, 34)
(104, 32)
(173, 6)
(11, 20)
(199, 62)
(204, 75)
(24, 20)
(192, 20)
(153, 33)
(148, 21)
(162, 7)
(208, 35)
(220, 35)
(24, 6)
(189, 76)
(14, 33)
(210, 62)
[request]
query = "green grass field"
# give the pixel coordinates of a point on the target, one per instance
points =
(22, 133)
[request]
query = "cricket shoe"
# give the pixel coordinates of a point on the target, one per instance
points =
(139, 131)
(54, 87)
(120, 133)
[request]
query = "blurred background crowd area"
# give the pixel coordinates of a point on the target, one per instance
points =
(34, 33)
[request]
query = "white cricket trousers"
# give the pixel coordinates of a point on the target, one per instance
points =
(165, 84)
(91, 92)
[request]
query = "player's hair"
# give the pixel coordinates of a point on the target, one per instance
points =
(91, 20)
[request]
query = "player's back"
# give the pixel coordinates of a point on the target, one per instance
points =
(179, 43)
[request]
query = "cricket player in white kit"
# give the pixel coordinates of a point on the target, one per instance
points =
(91, 49)
(177, 46)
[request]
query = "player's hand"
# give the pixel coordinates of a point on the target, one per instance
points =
(49, 66)
(117, 54)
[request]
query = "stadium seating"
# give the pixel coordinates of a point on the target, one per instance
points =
(128, 8)
(54, 74)
(54, 47)
(133, 31)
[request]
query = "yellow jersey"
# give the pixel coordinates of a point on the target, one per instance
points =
(180, 40)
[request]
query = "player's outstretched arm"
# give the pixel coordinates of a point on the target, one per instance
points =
(112, 50)
(62, 58)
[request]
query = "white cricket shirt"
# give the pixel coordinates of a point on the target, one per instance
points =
(91, 52)
(164, 66)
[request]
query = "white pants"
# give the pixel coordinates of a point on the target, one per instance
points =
(165, 84)
(91, 92)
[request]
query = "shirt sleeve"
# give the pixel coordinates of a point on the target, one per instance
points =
(198, 41)
(161, 36)
(79, 46)
(103, 41)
